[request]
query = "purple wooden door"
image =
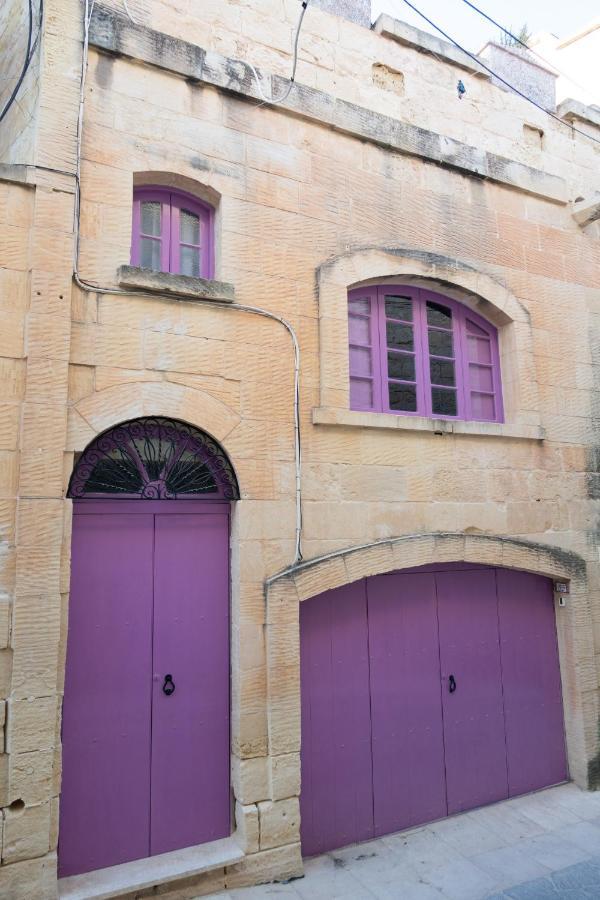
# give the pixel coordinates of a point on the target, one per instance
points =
(425, 693)
(145, 772)
(531, 679)
(473, 712)
(190, 727)
(105, 798)
(406, 703)
(336, 803)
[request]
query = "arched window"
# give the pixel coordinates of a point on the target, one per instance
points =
(153, 459)
(414, 352)
(172, 232)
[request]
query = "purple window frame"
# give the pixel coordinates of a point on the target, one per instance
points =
(475, 357)
(172, 202)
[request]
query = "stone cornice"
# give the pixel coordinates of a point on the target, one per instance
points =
(571, 110)
(423, 42)
(115, 34)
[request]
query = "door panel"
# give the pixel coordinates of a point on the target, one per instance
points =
(406, 704)
(531, 677)
(105, 799)
(190, 728)
(473, 714)
(336, 802)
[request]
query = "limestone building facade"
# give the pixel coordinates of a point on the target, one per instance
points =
(330, 458)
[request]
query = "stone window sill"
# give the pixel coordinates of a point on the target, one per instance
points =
(142, 874)
(133, 278)
(351, 418)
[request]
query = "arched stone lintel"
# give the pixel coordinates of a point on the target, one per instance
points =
(101, 410)
(177, 182)
(408, 551)
(454, 277)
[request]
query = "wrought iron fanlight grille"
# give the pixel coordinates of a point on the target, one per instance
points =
(153, 459)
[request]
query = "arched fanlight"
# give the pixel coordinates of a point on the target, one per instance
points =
(155, 459)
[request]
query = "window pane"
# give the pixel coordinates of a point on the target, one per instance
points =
(481, 377)
(403, 397)
(151, 217)
(361, 305)
(442, 371)
(189, 261)
(440, 343)
(399, 336)
(443, 402)
(150, 254)
(399, 308)
(483, 406)
(361, 393)
(475, 329)
(401, 365)
(439, 315)
(359, 330)
(360, 361)
(189, 227)
(480, 350)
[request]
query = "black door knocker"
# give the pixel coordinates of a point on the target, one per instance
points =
(451, 684)
(169, 685)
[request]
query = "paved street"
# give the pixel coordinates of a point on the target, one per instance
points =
(545, 846)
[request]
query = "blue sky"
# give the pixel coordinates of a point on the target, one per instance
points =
(470, 29)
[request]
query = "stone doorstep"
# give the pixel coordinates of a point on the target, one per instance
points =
(141, 874)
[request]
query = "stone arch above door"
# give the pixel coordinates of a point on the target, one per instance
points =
(286, 591)
(101, 410)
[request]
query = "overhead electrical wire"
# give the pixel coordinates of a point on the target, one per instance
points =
(29, 52)
(524, 44)
(273, 101)
(499, 77)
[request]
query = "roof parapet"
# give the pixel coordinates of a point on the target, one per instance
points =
(423, 42)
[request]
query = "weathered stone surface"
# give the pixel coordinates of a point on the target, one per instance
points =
(358, 11)
(34, 879)
(278, 864)
(179, 285)
(587, 211)
(423, 42)
(279, 822)
(247, 829)
(285, 776)
(250, 778)
(26, 833)
(113, 33)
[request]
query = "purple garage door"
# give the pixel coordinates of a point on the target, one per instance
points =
(146, 707)
(425, 693)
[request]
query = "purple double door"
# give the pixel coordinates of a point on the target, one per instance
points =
(425, 693)
(145, 729)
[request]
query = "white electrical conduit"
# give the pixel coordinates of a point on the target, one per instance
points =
(95, 289)
(275, 100)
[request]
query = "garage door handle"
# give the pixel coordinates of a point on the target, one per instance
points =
(452, 684)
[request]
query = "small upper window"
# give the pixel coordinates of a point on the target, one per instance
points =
(413, 352)
(172, 232)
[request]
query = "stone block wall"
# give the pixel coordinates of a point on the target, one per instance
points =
(310, 200)
(17, 131)
(35, 298)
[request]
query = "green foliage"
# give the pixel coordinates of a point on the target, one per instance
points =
(523, 35)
